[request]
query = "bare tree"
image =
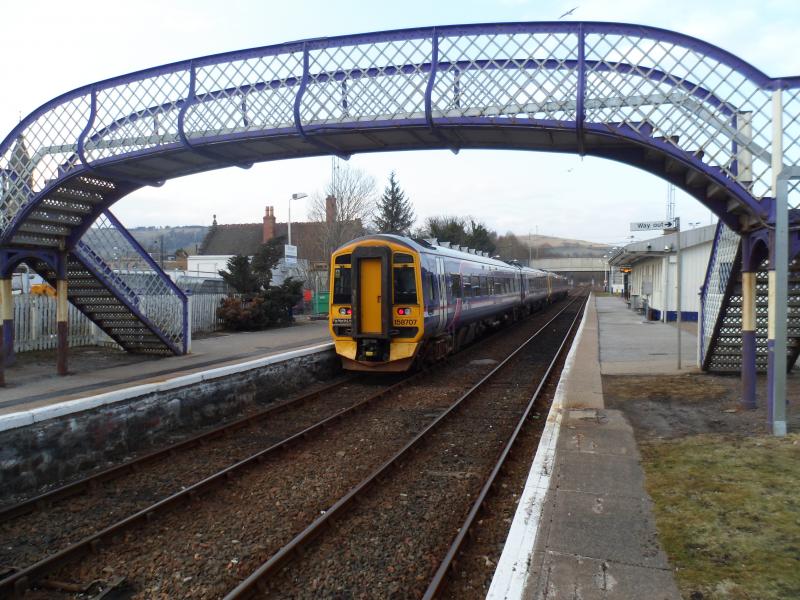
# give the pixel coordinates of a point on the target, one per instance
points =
(356, 196)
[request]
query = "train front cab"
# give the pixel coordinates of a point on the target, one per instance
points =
(376, 318)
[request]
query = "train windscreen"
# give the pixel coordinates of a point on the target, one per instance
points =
(405, 285)
(342, 286)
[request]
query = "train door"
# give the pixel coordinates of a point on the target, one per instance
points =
(372, 301)
(370, 297)
(442, 293)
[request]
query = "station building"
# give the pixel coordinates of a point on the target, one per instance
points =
(650, 269)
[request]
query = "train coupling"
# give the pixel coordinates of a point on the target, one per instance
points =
(373, 350)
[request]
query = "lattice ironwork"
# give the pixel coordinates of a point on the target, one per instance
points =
(702, 106)
(131, 273)
(725, 252)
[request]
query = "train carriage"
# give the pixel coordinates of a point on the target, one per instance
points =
(396, 300)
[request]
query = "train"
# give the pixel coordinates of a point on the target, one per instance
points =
(397, 302)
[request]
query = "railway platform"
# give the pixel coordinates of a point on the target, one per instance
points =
(584, 527)
(96, 371)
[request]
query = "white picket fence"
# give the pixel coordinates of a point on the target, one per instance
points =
(35, 322)
(204, 312)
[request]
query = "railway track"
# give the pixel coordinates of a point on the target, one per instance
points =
(304, 453)
(367, 545)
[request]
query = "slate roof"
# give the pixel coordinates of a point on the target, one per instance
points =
(238, 238)
(245, 238)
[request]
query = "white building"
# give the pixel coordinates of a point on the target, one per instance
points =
(653, 266)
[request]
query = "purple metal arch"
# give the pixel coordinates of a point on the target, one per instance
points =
(725, 57)
(581, 28)
(10, 258)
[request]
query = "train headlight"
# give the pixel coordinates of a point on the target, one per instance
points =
(403, 311)
(345, 311)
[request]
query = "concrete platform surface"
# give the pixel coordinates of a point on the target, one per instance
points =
(631, 346)
(593, 534)
(32, 382)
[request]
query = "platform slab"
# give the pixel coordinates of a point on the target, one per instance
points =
(631, 346)
(565, 576)
(587, 525)
(34, 384)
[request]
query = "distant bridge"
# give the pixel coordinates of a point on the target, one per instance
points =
(583, 264)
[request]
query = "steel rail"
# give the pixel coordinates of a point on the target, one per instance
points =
(256, 582)
(463, 531)
(26, 577)
(86, 483)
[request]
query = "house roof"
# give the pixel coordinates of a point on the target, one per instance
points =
(245, 238)
(237, 238)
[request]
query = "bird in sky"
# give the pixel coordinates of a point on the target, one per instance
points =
(568, 13)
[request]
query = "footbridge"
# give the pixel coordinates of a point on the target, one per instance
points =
(689, 112)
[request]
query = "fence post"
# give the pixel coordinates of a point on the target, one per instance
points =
(189, 322)
(35, 320)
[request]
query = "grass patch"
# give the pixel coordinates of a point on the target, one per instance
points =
(728, 513)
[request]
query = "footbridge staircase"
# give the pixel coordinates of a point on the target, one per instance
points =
(722, 306)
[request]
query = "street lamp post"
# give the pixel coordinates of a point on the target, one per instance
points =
(297, 196)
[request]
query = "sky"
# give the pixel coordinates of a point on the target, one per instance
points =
(50, 47)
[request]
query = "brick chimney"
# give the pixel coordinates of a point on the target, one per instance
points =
(269, 225)
(330, 209)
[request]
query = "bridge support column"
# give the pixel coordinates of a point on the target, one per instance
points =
(7, 317)
(6, 326)
(748, 338)
(62, 325)
(778, 276)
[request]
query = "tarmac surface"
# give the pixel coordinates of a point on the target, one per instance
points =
(597, 537)
(632, 346)
(32, 382)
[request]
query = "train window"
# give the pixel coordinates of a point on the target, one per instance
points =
(484, 286)
(491, 286)
(402, 258)
(475, 284)
(455, 284)
(343, 259)
(342, 285)
(429, 288)
(405, 285)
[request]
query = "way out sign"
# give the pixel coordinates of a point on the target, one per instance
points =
(654, 225)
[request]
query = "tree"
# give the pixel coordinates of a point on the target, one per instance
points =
(460, 231)
(265, 259)
(240, 275)
(355, 194)
(446, 229)
(394, 213)
(510, 247)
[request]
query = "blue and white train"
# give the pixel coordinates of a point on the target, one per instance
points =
(395, 300)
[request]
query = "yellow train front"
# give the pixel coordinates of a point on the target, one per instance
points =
(396, 300)
(375, 316)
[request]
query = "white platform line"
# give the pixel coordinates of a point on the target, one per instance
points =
(513, 568)
(43, 413)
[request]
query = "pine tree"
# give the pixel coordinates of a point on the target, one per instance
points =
(395, 213)
(240, 275)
